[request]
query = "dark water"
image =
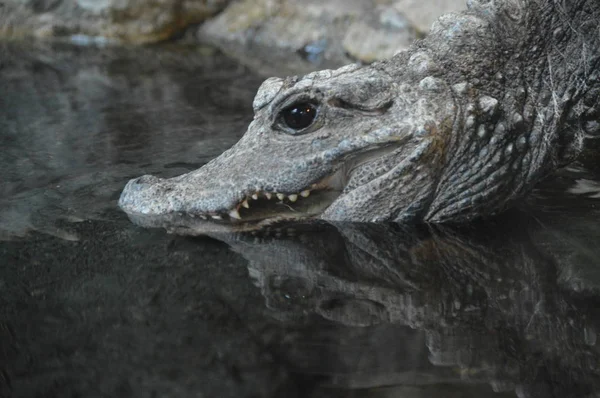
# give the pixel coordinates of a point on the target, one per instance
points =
(93, 306)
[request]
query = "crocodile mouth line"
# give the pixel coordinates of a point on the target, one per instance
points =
(272, 205)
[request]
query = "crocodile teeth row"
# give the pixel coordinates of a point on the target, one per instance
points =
(235, 213)
(268, 195)
(292, 197)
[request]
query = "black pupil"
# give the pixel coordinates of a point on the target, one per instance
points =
(299, 116)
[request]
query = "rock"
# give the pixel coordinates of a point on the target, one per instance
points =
(379, 35)
(274, 37)
(124, 21)
(298, 37)
(423, 13)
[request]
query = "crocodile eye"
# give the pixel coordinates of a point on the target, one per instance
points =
(299, 116)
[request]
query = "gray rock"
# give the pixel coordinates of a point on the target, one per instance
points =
(126, 21)
(300, 37)
(423, 14)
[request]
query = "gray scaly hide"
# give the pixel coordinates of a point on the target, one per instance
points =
(457, 127)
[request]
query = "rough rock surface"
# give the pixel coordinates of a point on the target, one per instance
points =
(128, 21)
(275, 37)
(320, 34)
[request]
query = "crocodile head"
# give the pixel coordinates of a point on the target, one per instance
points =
(333, 144)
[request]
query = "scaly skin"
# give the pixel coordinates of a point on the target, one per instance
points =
(459, 126)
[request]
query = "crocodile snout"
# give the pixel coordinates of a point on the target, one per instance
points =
(189, 194)
(146, 195)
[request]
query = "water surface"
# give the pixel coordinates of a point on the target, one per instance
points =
(91, 305)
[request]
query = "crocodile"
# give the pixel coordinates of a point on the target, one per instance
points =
(459, 126)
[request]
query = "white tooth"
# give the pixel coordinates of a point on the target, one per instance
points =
(280, 196)
(255, 196)
(268, 195)
(217, 217)
(293, 197)
(234, 214)
(305, 194)
(245, 204)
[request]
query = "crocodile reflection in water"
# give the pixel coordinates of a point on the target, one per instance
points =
(489, 304)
